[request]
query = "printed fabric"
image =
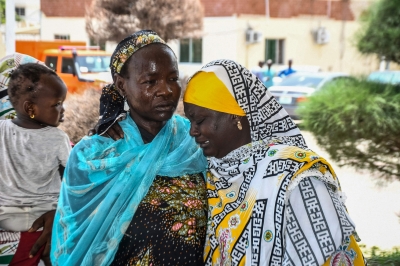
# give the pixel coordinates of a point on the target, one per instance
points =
(104, 183)
(169, 226)
(273, 201)
(7, 65)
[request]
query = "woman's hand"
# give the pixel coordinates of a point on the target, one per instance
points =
(115, 132)
(45, 221)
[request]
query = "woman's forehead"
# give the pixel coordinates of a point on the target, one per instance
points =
(154, 59)
(193, 109)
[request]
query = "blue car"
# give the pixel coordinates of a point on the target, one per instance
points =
(387, 76)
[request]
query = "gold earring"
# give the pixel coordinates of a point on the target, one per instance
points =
(32, 116)
(239, 125)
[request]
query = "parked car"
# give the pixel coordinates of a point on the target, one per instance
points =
(298, 86)
(299, 69)
(387, 76)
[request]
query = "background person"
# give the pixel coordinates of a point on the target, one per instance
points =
(269, 74)
(33, 156)
(140, 200)
(286, 72)
(259, 71)
(272, 201)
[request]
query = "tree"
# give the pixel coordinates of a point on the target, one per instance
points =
(380, 33)
(171, 19)
(3, 13)
(358, 124)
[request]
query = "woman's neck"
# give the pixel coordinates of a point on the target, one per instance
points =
(153, 127)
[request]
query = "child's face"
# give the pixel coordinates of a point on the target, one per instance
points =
(48, 105)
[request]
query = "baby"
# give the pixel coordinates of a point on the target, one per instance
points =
(33, 154)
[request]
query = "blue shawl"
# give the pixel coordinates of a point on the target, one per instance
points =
(105, 181)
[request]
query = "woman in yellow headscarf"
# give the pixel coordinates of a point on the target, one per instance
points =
(272, 201)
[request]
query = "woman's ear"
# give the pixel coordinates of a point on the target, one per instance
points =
(242, 124)
(120, 84)
(236, 119)
(29, 108)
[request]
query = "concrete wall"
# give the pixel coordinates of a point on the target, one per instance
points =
(219, 41)
(224, 37)
(75, 27)
(339, 54)
(32, 10)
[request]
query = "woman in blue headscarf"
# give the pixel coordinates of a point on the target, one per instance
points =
(139, 200)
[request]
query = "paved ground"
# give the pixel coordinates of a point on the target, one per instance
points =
(372, 205)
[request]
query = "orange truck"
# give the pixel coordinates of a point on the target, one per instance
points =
(79, 66)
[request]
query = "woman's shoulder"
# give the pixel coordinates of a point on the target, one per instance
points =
(94, 141)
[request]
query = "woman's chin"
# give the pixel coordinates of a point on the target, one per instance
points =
(208, 153)
(165, 116)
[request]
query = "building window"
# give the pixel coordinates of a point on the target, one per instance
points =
(20, 11)
(190, 50)
(275, 50)
(100, 44)
(61, 36)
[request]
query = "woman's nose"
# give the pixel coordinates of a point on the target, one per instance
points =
(193, 130)
(164, 89)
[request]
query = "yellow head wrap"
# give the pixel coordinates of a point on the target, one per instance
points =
(205, 89)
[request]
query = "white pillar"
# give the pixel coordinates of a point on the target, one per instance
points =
(10, 27)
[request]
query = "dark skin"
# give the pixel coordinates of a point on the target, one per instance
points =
(217, 133)
(47, 108)
(290, 62)
(151, 87)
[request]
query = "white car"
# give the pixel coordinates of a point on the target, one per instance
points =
(298, 86)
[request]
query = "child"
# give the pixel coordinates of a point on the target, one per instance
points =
(33, 154)
(7, 65)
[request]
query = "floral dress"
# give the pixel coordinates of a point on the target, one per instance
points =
(169, 225)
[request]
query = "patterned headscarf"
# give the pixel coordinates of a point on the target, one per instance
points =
(111, 102)
(266, 116)
(8, 64)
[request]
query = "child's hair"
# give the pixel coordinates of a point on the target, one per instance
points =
(24, 80)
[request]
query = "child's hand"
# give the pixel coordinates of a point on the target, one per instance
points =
(45, 221)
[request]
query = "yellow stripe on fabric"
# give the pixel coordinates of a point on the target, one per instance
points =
(205, 89)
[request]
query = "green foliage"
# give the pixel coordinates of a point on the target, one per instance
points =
(3, 11)
(380, 33)
(358, 123)
(377, 257)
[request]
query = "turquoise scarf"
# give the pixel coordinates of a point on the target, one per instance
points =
(105, 181)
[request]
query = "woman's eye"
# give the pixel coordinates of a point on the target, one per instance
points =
(152, 81)
(198, 122)
(175, 79)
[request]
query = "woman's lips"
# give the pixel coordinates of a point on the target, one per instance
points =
(165, 106)
(203, 144)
